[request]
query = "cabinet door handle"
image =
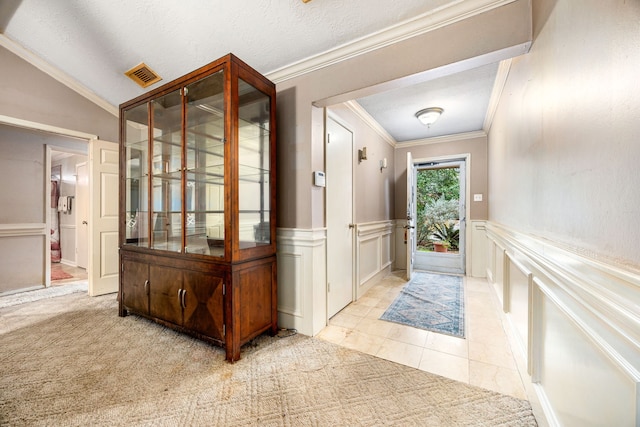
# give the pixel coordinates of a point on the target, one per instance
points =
(146, 287)
(181, 294)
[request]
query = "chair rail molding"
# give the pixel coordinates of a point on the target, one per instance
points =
(28, 229)
(577, 325)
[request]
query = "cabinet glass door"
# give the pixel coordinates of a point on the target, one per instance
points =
(204, 153)
(136, 177)
(254, 194)
(166, 173)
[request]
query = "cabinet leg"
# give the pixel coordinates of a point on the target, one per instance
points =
(233, 353)
(274, 329)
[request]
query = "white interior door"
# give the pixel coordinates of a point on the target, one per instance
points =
(339, 193)
(410, 227)
(82, 215)
(103, 217)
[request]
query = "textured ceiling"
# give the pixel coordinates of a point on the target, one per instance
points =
(96, 41)
(464, 97)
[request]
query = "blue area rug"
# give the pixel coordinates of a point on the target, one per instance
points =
(434, 302)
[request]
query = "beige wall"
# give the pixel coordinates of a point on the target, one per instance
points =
(29, 94)
(476, 147)
(300, 142)
(22, 174)
(564, 145)
(373, 189)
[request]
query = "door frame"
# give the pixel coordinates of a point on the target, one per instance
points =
(78, 219)
(451, 158)
(49, 149)
(328, 114)
(410, 225)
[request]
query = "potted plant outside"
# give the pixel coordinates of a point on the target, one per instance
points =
(441, 246)
(446, 233)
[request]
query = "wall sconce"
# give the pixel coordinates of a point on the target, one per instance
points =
(383, 164)
(362, 154)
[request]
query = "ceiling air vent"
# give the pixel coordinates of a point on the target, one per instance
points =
(143, 75)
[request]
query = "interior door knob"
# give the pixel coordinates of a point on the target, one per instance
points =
(85, 223)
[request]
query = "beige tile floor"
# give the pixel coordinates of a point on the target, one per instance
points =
(483, 359)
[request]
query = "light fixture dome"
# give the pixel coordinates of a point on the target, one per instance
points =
(428, 116)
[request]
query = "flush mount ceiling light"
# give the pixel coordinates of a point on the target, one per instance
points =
(428, 116)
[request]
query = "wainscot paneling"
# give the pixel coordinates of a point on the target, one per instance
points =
(374, 249)
(22, 257)
(68, 244)
(302, 296)
(577, 323)
(477, 247)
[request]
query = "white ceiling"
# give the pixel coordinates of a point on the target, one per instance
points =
(464, 97)
(96, 41)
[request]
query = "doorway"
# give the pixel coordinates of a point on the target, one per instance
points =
(339, 214)
(440, 191)
(68, 243)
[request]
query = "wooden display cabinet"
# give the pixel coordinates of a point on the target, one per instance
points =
(197, 205)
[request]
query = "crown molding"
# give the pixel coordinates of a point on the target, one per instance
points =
(496, 93)
(421, 24)
(56, 74)
(357, 109)
(441, 139)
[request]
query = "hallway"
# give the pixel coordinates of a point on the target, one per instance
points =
(483, 359)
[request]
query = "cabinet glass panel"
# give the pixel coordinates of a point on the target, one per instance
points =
(166, 173)
(136, 176)
(204, 189)
(254, 161)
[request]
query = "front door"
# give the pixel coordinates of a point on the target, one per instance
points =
(103, 217)
(410, 227)
(440, 192)
(339, 175)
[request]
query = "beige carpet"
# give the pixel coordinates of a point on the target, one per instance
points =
(71, 360)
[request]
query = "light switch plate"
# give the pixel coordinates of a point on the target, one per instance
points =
(477, 197)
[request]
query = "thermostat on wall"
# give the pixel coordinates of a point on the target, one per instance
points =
(318, 179)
